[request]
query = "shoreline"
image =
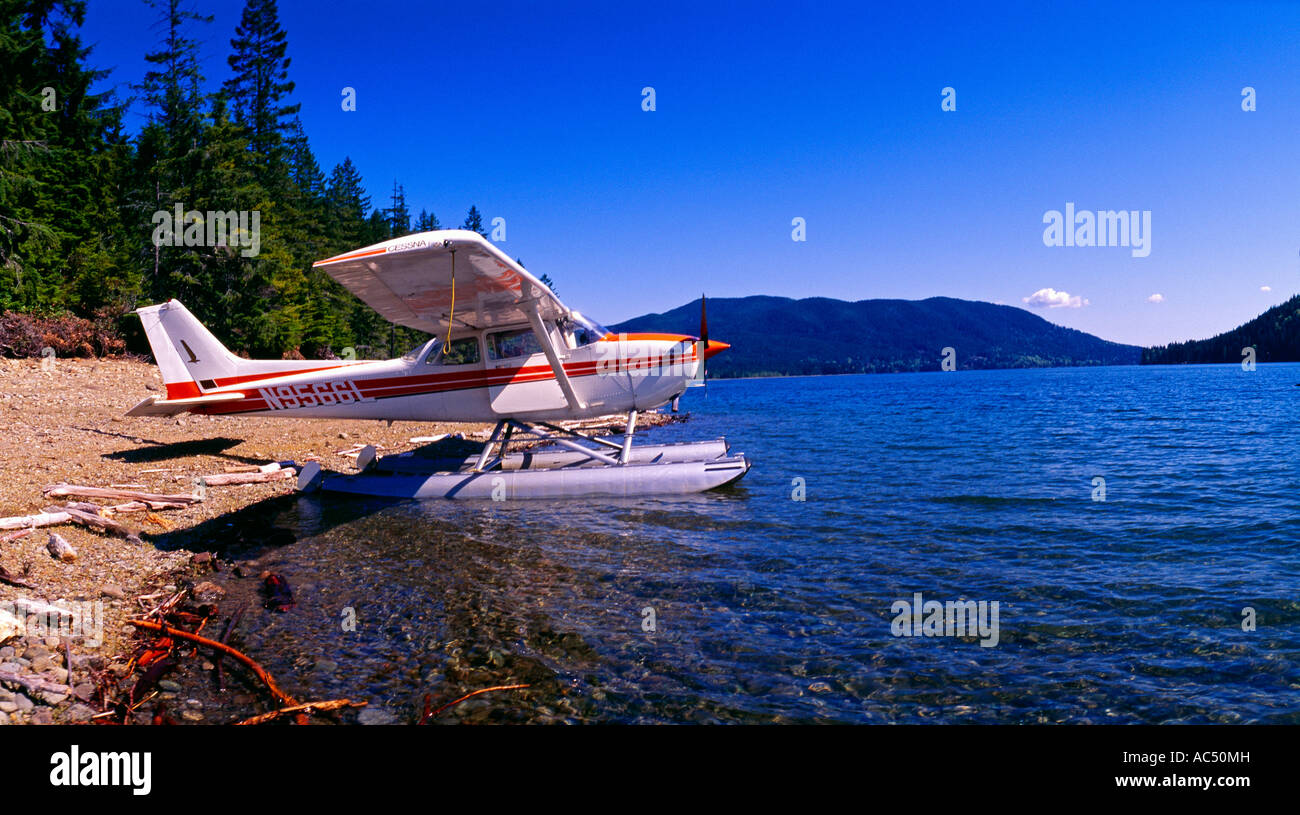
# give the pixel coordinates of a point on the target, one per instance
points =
(64, 424)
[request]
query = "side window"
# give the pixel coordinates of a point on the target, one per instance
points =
(463, 351)
(518, 343)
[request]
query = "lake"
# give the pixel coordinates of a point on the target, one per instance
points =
(979, 485)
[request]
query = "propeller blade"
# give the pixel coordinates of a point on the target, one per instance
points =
(704, 335)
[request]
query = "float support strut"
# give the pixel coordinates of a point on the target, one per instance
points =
(627, 438)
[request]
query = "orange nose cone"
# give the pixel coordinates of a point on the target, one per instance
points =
(714, 348)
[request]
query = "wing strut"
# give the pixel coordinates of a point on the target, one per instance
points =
(552, 355)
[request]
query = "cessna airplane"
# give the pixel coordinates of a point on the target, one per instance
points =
(505, 349)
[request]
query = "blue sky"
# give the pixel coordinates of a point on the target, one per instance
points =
(832, 114)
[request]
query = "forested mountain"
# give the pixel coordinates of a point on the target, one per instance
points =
(1275, 336)
(82, 202)
(780, 336)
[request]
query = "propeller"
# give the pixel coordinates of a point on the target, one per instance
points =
(704, 335)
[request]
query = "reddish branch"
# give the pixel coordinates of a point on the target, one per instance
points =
(282, 697)
(307, 707)
(428, 716)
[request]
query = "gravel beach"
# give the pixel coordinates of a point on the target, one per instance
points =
(65, 423)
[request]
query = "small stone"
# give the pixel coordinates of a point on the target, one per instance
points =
(8, 707)
(53, 699)
(42, 664)
(169, 685)
(374, 715)
(35, 652)
(193, 703)
(53, 642)
(42, 716)
(7, 652)
(112, 591)
(191, 715)
(59, 675)
(326, 666)
(85, 691)
(208, 592)
(80, 713)
(208, 666)
(819, 687)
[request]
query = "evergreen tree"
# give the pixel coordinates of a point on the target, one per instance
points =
(61, 160)
(260, 86)
(399, 216)
(474, 221)
(427, 222)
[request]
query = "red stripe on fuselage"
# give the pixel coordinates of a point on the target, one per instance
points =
(420, 384)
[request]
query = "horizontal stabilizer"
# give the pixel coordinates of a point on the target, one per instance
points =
(153, 406)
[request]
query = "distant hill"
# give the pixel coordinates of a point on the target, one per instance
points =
(1275, 335)
(773, 336)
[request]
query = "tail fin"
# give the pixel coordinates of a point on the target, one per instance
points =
(190, 358)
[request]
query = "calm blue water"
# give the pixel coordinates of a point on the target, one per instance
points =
(975, 485)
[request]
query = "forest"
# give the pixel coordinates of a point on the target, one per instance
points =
(96, 221)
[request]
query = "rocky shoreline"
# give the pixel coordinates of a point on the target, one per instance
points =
(64, 423)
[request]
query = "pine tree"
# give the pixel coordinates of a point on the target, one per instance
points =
(427, 222)
(61, 156)
(260, 86)
(474, 221)
(399, 216)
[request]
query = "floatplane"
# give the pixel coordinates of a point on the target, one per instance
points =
(505, 350)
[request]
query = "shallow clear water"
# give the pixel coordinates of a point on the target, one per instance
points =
(970, 485)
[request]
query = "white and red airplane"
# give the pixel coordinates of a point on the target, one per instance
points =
(505, 349)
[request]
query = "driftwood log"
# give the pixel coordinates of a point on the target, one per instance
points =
(98, 522)
(306, 707)
(230, 479)
(33, 521)
(34, 683)
(75, 490)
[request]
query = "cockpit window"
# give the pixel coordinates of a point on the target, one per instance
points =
(517, 343)
(463, 351)
(414, 353)
(585, 331)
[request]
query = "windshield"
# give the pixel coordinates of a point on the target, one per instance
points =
(585, 330)
(414, 353)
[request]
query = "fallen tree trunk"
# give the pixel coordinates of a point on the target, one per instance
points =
(68, 490)
(230, 479)
(33, 521)
(100, 522)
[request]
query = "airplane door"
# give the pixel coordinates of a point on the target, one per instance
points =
(520, 378)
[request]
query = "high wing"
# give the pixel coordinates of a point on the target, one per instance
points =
(408, 280)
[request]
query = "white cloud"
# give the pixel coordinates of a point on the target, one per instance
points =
(1266, 288)
(1156, 298)
(1051, 298)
